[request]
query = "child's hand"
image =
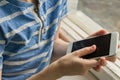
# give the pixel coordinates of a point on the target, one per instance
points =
(73, 64)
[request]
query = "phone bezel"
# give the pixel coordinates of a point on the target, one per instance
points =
(114, 43)
(69, 49)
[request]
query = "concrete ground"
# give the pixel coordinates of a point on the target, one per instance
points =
(105, 12)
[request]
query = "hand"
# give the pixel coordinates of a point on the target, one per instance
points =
(73, 64)
(70, 64)
(102, 60)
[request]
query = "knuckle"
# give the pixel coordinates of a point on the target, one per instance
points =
(76, 52)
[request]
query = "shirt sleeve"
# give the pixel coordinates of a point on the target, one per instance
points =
(64, 9)
(2, 46)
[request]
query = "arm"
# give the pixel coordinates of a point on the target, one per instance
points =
(0, 75)
(49, 73)
(60, 46)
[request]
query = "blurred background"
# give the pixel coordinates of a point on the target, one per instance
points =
(104, 12)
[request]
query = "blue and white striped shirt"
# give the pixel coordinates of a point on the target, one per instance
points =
(27, 38)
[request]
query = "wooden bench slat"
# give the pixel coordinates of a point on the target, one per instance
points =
(88, 76)
(88, 21)
(113, 68)
(117, 62)
(105, 74)
(70, 32)
(68, 38)
(76, 21)
(75, 28)
(84, 23)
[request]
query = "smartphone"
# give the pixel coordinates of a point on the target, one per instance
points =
(106, 45)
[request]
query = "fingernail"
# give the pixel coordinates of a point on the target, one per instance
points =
(92, 47)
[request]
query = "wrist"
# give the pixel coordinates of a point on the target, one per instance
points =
(52, 72)
(55, 70)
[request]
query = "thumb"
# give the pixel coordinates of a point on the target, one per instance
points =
(85, 51)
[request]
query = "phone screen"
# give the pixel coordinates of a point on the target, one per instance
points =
(102, 43)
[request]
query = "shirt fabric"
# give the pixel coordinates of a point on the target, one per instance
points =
(26, 37)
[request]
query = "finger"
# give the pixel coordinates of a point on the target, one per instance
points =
(103, 61)
(112, 58)
(97, 68)
(118, 45)
(100, 32)
(91, 63)
(85, 51)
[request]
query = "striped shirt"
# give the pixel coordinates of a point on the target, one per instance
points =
(27, 37)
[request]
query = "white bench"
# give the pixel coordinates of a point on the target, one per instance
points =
(77, 26)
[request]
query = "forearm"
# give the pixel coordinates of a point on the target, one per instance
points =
(0, 74)
(60, 48)
(51, 72)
